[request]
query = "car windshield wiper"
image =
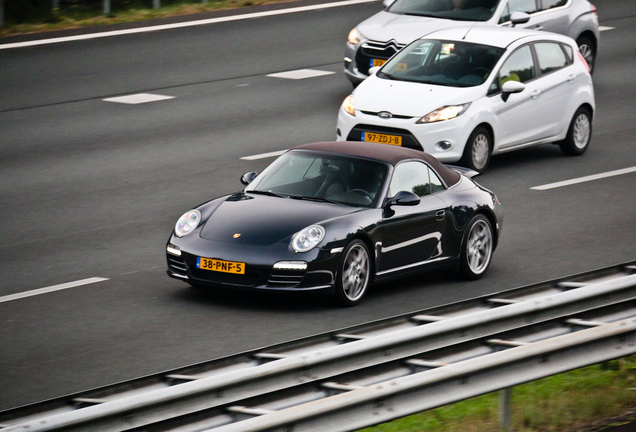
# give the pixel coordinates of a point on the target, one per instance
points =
(266, 192)
(314, 198)
(388, 76)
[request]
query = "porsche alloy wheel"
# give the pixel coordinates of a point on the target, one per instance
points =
(354, 274)
(478, 248)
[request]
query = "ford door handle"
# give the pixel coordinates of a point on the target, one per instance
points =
(535, 94)
(537, 27)
(571, 77)
(440, 215)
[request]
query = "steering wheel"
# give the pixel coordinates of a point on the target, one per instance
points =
(480, 71)
(362, 193)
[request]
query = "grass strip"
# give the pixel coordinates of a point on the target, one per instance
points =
(583, 400)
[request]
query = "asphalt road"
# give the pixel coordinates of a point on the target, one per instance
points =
(92, 188)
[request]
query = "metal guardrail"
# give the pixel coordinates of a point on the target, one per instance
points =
(294, 384)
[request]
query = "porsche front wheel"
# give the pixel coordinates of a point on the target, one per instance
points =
(478, 247)
(354, 274)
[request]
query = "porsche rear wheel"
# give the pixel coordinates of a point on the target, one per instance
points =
(478, 248)
(354, 274)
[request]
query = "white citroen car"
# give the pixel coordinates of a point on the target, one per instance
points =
(377, 38)
(466, 93)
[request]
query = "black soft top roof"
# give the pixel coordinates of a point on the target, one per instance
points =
(384, 152)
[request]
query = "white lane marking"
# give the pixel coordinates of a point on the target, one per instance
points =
(51, 289)
(300, 74)
(585, 179)
(183, 24)
(138, 98)
(264, 155)
(605, 28)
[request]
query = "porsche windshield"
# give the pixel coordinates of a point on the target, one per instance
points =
(448, 63)
(461, 10)
(351, 181)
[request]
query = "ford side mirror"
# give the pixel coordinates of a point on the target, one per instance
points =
(510, 87)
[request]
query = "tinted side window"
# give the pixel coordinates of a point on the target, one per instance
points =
(551, 57)
(411, 177)
(518, 67)
(549, 4)
(527, 6)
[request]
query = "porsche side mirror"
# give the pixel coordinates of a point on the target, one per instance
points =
(510, 87)
(404, 198)
(248, 178)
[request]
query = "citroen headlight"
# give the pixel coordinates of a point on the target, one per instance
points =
(348, 106)
(444, 113)
(354, 37)
(308, 238)
(187, 223)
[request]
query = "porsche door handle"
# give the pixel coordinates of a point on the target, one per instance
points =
(440, 215)
(535, 94)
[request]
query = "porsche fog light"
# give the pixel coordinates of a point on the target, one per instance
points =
(173, 250)
(187, 223)
(444, 113)
(308, 238)
(291, 265)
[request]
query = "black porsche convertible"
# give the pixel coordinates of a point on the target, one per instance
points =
(338, 216)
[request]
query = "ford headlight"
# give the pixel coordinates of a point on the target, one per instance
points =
(308, 238)
(187, 223)
(444, 113)
(348, 106)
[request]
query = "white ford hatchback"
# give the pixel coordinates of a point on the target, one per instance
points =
(466, 93)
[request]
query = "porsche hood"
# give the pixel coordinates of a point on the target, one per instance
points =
(260, 220)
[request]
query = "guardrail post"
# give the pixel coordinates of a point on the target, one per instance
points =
(1, 13)
(156, 4)
(107, 9)
(505, 420)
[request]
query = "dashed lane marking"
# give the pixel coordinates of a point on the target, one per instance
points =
(138, 98)
(264, 155)
(585, 179)
(51, 289)
(300, 74)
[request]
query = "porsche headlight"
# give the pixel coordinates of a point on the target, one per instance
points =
(348, 105)
(308, 238)
(444, 113)
(354, 37)
(187, 223)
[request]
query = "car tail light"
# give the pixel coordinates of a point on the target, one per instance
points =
(594, 11)
(584, 61)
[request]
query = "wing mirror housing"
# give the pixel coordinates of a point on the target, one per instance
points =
(404, 198)
(248, 177)
(519, 18)
(510, 87)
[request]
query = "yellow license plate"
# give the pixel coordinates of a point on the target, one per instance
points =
(382, 138)
(220, 266)
(377, 62)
